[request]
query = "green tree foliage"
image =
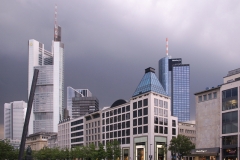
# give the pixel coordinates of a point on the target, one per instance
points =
(7, 151)
(109, 151)
(116, 149)
(181, 146)
(101, 152)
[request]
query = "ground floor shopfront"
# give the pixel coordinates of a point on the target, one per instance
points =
(206, 154)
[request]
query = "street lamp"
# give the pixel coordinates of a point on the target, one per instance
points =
(150, 156)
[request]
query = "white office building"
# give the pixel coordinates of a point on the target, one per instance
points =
(14, 117)
(143, 126)
(49, 94)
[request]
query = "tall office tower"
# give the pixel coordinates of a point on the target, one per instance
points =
(49, 93)
(83, 105)
(71, 93)
(175, 79)
(14, 116)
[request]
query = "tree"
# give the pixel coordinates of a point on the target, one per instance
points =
(109, 151)
(116, 149)
(101, 152)
(181, 146)
(6, 150)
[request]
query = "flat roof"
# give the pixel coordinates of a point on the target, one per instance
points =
(210, 89)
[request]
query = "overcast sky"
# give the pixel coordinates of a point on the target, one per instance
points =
(109, 43)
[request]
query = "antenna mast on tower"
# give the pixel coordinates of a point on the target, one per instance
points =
(167, 46)
(55, 24)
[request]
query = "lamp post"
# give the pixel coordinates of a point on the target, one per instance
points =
(150, 156)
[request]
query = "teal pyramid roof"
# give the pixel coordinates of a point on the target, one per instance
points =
(149, 83)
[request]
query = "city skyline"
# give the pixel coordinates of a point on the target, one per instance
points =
(109, 43)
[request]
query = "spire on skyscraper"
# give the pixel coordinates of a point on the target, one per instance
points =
(167, 46)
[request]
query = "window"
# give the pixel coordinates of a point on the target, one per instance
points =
(199, 98)
(139, 104)
(160, 129)
(145, 120)
(230, 99)
(145, 129)
(128, 140)
(155, 120)
(160, 112)
(123, 133)
(119, 118)
(165, 113)
(119, 133)
(128, 124)
(155, 111)
(119, 125)
(161, 120)
(123, 140)
(123, 117)
(214, 95)
(165, 130)
(173, 131)
(115, 112)
(139, 130)
(119, 110)
(155, 129)
(107, 121)
(128, 108)
(134, 114)
(134, 130)
(115, 134)
(115, 119)
(103, 129)
(139, 112)
(103, 116)
(123, 109)
(135, 122)
(165, 121)
(155, 102)
(173, 123)
(145, 102)
(204, 97)
(139, 121)
(230, 122)
(111, 120)
(145, 111)
(111, 134)
(111, 113)
(111, 127)
(165, 104)
(127, 132)
(135, 105)
(107, 114)
(209, 96)
(115, 126)
(127, 116)
(160, 103)
(107, 128)
(123, 124)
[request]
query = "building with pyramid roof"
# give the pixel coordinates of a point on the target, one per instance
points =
(143, 126)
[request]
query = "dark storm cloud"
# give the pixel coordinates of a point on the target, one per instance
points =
(108, 44)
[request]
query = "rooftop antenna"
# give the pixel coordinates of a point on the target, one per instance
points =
(55, 24)
(167, 46)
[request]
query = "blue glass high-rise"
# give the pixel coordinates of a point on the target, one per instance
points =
(175, 79)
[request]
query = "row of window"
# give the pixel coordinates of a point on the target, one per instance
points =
(140, 104)
(116, 111)
(77, 122)
(160, 103)
(91, 138)
(116, 126)
(77, 128)
(118, 118)
(95, 130)
(160, 112)
(163, 130)
(207, 97)
(121, 133)
(93, 124)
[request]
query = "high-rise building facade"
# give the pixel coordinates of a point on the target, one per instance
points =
(14, 117)
(49, 93)
(175, 79)
(71, 93)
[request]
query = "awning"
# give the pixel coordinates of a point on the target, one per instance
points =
(205, 151)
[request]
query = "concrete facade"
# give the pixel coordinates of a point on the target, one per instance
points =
(208, 119)
(188, 129)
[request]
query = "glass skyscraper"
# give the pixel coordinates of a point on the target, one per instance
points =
(175, 79)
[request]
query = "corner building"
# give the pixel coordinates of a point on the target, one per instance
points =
(143, 126)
